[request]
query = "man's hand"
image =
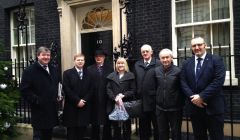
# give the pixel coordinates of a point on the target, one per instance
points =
(198, 101)
(81, 103)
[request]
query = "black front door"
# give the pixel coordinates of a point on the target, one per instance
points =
(97, 40)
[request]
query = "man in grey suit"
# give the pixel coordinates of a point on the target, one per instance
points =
(202, 78)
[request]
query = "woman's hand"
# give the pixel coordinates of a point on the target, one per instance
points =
(81, 103)
(118, 99)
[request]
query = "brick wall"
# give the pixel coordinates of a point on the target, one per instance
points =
(235, 92)
(236, 9)
(150, 22)
(47, 22)
(5, 7)
(3, 33)
(232, 96)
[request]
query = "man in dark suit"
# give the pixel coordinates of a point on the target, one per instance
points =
(202, 78)
(146, 91)
(98, 73)
(76, 87)
(39, 86)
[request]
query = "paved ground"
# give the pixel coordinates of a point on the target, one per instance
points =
(26, 134)
(29, 137)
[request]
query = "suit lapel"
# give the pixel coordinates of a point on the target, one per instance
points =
(50, 74)
(75, 72)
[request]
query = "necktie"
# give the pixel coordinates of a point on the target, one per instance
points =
(146, 64)
(198, 68)
(99, 68)
(46, 68)
(80, 73)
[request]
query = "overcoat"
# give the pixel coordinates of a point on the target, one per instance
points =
(125, 85)
(99, 97)
(146, 83)
(76, 89)
(40, 89)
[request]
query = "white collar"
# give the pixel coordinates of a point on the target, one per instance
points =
(203, 56)
(42, 64)
(149, 61)
(78, 69)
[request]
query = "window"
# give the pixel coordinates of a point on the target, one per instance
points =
(211, 19)
(21, 52)
(97, 18)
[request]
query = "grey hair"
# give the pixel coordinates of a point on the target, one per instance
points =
(42, 49)
(165, 51)
(147, 46)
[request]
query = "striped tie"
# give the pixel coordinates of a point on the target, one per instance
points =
(80, 73)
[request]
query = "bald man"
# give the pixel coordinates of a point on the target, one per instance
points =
(202, 78)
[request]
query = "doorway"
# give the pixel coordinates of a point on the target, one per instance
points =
(97, 40)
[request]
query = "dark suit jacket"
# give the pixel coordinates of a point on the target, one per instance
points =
(208, 85)
(99, 98)
(76, 89)
(40, 89)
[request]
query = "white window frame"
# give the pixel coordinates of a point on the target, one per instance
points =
(230, 20)
(22, 45)
(12, 33)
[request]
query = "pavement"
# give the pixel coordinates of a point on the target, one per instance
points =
(26, 133)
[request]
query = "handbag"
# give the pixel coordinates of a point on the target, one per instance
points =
(118, 114)
(133, 108)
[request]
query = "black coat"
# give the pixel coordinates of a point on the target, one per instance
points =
(168, 96)
(125, 85)
(76, 89)
(99, 99)
(40, 89)
(146, 83)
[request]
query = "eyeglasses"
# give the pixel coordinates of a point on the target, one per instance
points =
(199, 45)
